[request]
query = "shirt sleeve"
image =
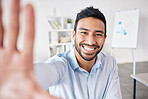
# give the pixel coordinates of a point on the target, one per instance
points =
(114, 91)
(48, 74)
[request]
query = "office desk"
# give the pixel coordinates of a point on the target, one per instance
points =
(142, 78)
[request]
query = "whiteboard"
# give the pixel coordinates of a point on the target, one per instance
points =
(126, 29)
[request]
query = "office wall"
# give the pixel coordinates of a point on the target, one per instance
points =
(44, 8)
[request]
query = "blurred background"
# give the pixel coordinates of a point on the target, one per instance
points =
(45, 9)
(69, 8)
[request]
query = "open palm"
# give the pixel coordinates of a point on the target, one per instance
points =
(17, 80)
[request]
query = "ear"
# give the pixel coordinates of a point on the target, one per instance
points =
(105, 38)
(73, 35)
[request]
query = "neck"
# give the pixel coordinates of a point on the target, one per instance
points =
(86, 65)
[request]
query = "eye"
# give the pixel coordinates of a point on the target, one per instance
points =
(99, 34)
(83, 32)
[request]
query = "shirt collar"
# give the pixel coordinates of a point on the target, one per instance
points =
(74, 64)
(98, 63)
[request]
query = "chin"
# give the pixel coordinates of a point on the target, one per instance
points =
(87, 58)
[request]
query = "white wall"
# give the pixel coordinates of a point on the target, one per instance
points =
(44, 8)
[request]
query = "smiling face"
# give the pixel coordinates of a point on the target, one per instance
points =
(89, 38)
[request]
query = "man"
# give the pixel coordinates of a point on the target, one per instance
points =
(82, 73)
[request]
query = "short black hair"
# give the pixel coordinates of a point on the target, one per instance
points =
(90, 12)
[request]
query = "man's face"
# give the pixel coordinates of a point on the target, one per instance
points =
(89, 38)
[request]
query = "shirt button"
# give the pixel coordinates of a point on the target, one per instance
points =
(91, 92)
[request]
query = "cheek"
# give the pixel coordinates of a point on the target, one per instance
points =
(101, 42)
(79, 38)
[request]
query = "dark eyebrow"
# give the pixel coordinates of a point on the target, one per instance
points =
(100, 31)
(84, 29)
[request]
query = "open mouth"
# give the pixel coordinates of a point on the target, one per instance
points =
(89, 50)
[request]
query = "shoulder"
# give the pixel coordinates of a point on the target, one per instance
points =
(106, 57)
(59, 60)
(107, 61)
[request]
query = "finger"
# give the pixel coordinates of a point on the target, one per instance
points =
(13, 25)
(29, 31)
(1, 26)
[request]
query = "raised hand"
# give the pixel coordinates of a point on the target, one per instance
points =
(17, 80)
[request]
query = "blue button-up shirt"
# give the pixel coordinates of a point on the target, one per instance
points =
(66, 79)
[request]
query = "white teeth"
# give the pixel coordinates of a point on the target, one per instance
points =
(89, 49)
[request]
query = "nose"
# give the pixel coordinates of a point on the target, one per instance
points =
(91, 40)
